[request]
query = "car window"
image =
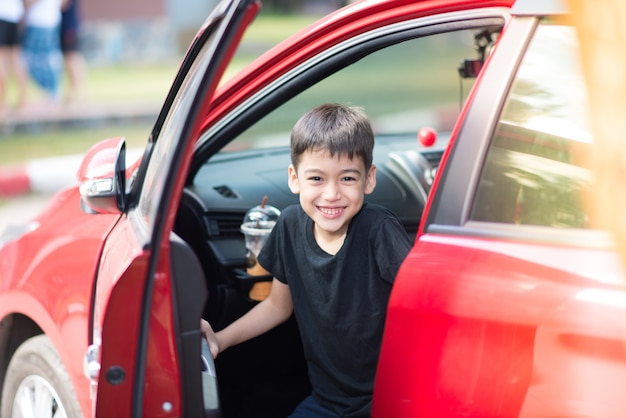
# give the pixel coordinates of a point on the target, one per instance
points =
(535, 171)
(402, 88)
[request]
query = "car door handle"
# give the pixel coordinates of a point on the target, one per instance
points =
(91, 363)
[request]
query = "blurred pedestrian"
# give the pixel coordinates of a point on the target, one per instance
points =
(11, 13)
(41, 45)
(74, 63)
(601, 36)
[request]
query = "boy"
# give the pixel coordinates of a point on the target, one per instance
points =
(334, 259)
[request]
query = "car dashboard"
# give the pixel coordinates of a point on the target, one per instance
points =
(231, 183)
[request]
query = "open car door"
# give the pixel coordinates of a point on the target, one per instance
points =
(145, 353)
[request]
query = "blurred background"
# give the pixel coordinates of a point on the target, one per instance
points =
(131, 50)
(149, 30)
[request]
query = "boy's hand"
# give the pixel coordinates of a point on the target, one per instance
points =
(210, 337)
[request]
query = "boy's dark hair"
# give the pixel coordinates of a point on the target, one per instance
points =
(340, 130)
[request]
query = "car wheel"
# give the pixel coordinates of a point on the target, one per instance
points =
(37, 384)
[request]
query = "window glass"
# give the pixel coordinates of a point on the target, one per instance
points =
(535, 172)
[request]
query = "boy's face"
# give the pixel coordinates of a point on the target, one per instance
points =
(331, 189)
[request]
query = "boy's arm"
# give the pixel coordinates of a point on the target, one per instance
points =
(270, 312)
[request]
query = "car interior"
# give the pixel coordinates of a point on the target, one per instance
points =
(239, 165)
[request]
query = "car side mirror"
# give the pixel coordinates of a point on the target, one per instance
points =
(102, 177)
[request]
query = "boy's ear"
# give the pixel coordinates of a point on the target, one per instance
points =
(370, 180)
(294, 185)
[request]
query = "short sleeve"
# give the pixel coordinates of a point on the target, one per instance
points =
(391, 245)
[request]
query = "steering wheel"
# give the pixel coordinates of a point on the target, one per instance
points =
(414, 171)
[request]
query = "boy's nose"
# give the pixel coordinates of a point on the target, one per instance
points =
(331, 192)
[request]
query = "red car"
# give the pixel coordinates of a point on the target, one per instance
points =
(508, 305)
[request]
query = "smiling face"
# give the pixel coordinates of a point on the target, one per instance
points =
(331, 190)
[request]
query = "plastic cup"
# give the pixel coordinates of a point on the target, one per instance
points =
(256, 234)
(256, 227)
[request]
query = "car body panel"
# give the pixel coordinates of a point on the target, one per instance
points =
(486, 335)
(47, 276)
(118, 296)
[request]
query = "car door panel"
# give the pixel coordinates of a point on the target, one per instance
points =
(139, 374)
(482, 336)
(122, 274)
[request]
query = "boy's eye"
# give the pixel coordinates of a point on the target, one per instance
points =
(348, 178)
(315, 178)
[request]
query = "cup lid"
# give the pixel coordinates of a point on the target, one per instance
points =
(261, 217)
(252, 229)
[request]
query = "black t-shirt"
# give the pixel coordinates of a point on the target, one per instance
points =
(339, 300)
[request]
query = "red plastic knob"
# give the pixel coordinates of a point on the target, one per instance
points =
(427, 136)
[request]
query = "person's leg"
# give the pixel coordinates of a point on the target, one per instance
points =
(74, 64)
(4, 58)
(75, 69)
(6, 35)
(309, 408)
(21, 77)
(43, 59)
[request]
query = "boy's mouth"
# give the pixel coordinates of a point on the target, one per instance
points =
(331, 212)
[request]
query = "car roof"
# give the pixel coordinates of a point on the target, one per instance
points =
(539, 7)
